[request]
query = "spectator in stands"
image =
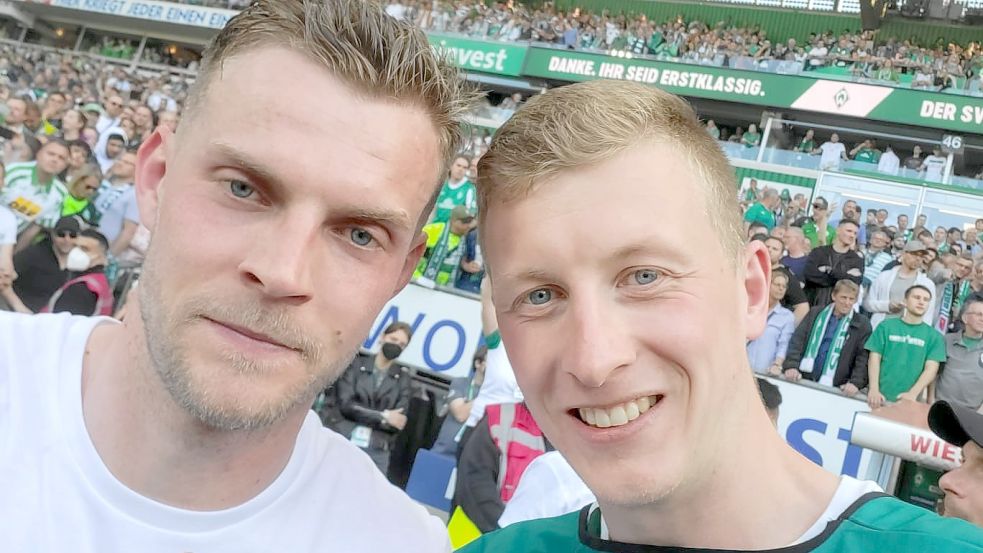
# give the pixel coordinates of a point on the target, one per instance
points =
(32, 119)
(877, 256)
(16, 113)
(904, 352)
(866, 152)
(849, 211)
(808, 143)
(458, 403)
(713, 130)
(763, 211)
(963, 486)
(753, 193)
(914, 161)
(169, 119)
(72, 124)
(829, 264)
(117, 202)
(794, 299)
(144, 121)
(472, 270)
(512, 102)
(111, 114)
(817, 55)
(887, 299)
(111, 144)
(797, 252)
(442, 260)
(828, 347)
(457, 191)
(752, 138)
(76, 199)
(499, 384)
(87, 291)
(766, 353)
(818, 220)
(507, 439)
(889, 162)
(960, 381)
(41, 268)
(934, 165)
(952, 293)
(32, 189)
(953, 238)
(373, 395)
(833, 152)
(974, 246)
(757, 230)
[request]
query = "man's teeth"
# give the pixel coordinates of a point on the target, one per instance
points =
(619, 414)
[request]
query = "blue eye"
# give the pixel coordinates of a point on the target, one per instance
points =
(540, 296)
(240, 189)
(361, 237)
(645, 276)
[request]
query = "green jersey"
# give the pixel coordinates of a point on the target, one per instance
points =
(26, 196)
(760, 214)
(751, 139)
(867, 155)
(904, 348)
(811, 232)
(452, 196)
(874, 523)
(807, 145)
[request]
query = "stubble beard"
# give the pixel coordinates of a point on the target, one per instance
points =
(170, 360)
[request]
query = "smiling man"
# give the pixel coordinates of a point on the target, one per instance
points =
(282, 220)
(628, 340)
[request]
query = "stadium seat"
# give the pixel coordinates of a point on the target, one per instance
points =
(430, 479)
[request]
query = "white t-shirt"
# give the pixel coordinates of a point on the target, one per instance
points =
(933, 165)
(889, 163)
(832, 154)
(57, 495)
(549, 487)
(499, 385)
(8, 227)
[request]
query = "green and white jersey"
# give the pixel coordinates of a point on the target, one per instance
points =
(50, 217)
(874, 523)
(452, 196)
(26, 197)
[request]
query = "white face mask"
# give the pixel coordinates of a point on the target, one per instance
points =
(77, 260)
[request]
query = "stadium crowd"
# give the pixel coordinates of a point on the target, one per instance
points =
(863, 55)
(864, 302)
(869, 301)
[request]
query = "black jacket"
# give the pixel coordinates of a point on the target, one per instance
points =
(476, 490)
(818, 284)
(361, 403)
(852, 365)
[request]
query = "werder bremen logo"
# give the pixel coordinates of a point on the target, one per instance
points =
(841, 98)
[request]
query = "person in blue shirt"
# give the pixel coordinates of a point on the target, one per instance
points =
(766, 353)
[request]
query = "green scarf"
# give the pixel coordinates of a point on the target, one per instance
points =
(950, 303)
(816, 337)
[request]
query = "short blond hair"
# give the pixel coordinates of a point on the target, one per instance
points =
(355, 40)
(586, 123)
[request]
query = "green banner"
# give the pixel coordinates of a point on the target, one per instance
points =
(486, 56)
(913, 107)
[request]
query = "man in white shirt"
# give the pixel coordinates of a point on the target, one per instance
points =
(117, 202)
(188, 427)
(833, 152)
(889, 162)
(934, 165)
(111, 114)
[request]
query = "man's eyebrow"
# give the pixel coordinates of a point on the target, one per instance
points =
(241, 160)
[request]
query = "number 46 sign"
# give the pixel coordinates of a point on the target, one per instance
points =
(952, 144)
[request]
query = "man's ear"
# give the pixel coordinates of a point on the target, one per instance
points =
(412, 260)
(757, 286)
(150, 171)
